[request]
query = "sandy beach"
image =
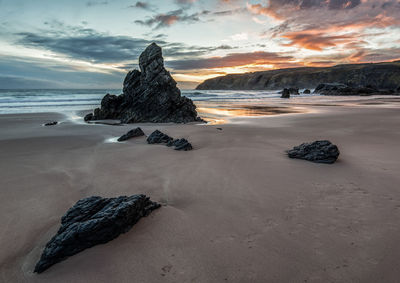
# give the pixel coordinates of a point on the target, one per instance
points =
(235, 209)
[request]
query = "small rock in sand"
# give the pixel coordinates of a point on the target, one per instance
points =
(158, 137)
(318, 151)
(53, 123)
(180, 144)
(131, 134)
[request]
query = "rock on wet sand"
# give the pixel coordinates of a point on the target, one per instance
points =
(92, 221)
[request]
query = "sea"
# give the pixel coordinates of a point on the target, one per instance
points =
(63, 100)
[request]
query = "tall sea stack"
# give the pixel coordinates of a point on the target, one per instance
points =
(149, 95)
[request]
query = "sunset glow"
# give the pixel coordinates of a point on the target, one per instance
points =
(200, 39)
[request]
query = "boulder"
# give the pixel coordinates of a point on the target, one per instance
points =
(92, 221)
(319, 151)
(51, 123)
(131, 134)
(294, 91)
(158, 137)
(307, 91)
(149, 95)
(180, 144)
(285, 93)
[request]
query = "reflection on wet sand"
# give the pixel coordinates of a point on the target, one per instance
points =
(219, 113)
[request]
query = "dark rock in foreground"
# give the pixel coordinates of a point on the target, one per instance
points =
(149, 95)
(180, 144)
(318, 151)
(51, 123)
(158, 137)
(285, 93)
(338, 89)
(92, 221)
(131, 134)
(307, 91)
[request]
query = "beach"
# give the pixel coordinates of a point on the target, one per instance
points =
(234, 209)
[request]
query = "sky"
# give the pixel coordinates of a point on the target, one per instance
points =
(92, 44)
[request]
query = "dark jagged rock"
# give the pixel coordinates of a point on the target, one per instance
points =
(307, 91)
(285, 93)
(149, 95)
(92, 221)
(158, 137)
(131, 134)
(220, 129)
(318, 151)
(180, 144)
(51, 123)
(345, 90)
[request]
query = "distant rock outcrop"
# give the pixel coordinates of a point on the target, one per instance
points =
(132, 134)
(318, 151)
(345, 90)
(285, 93)
(384, 75)
(92, 221)
(307, 91)
(149, 95)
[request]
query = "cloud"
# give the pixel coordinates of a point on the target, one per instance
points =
(86, 44)
(318, 41)
(168, 19)
(96, 3)
(232, 60)
(142, 5)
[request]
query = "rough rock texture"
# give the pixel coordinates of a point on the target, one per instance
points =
(307, 91)
(92, 221)
(180, 144)
(131, 134)
(384, 75)
(51, 123)
(294, 91)
(149, 95)
(345, 90)
(285, 93)
(318, 151)
(158, 137)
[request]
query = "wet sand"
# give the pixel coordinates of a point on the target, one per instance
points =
(235, 209)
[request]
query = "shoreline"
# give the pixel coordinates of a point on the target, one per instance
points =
(235, 199)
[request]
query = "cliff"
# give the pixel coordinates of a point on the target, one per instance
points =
(381, 75)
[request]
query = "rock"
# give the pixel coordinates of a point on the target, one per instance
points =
(318, 151)
(158, 137)
(131, 134)
(285, 93)
(220, 129)
(92, 221)
(88, 117)
(149, 95)
(326, 87)
(294, 91)
(345, 90)
(180, 144)
(307, 91)
(385, 75)
(51, 123)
